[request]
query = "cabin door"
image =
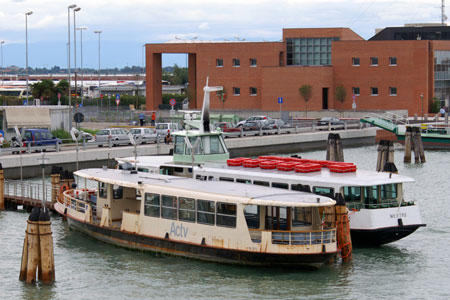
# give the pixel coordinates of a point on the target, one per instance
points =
(278, 218)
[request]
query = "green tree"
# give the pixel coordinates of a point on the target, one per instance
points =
(306, 92)
(340, 95)
(44, 89)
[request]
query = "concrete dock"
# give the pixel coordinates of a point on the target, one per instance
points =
(245, 146)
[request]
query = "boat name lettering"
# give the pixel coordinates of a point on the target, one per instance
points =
(398, 215)
(178, 230)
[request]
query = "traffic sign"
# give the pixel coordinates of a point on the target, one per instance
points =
(25, 102)
(118, 99)
(101, 96)
(78, 117)
(172, 102)
(59, 96)
(280, 100)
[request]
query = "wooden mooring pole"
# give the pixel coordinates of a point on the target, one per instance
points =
(413, 141)
(335, 151)
(343, 230)
(37, 253)
(2, 189)
(385, 154)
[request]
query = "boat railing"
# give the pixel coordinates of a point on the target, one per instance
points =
(28, 190)
(77, 204)
(310, 237)
(381, 204)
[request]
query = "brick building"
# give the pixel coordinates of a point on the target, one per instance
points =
(381, 74)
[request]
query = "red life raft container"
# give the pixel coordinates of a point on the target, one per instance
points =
(268, 164)
(307, 168)
(236, 162)
(342, 167)
(251, 163)
(286, 166)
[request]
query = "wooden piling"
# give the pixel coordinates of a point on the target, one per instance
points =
(343, 231)
(55, 180)
(339, 150)
(421, 150)
(37, 253)
(407, 157)
(415, 144)
(33, 251)
(2, 190)
(47, 262)
(390, 156)
(331, 145)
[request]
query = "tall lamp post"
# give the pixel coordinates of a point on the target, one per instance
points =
(68, 62)
(99, 91)
(1, 47)
(75, 54)
(26, 44)
(81, 64)
(421, 98)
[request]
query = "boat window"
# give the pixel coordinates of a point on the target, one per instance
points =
(276, 218)
(169, 207)
(186, 211)
(301, 188)
(324, 191)
(178, 147)
(243, 181)
(212, 145)
(205, 212)
(103, 190)
(117, 191)
(388, 191)
(251, 213)
(151, 205)
(226, 215)
(302, 216)
(371, 194)
(352, 193)
(145, 170)
(200, 177)
(226, 179)
(196, 145)
(264, 183)
(280, 185)
(178, 170)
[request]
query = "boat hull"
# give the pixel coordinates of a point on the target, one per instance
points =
(381, 236)
(197, 251)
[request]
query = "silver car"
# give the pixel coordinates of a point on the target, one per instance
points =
(162, 129)
(144, 135)
(116, 135)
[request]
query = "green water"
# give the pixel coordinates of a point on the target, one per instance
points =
(417, 267)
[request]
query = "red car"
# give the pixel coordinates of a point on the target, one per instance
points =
(226, 127)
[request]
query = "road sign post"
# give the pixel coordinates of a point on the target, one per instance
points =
(117, 107)
(280, 101)
(101, 101)
(59, 99)
(172, 102)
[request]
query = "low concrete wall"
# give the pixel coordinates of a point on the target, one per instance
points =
(246, 146)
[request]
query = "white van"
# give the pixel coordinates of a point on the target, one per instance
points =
(163, 128)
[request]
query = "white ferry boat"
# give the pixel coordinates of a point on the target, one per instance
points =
(379, 213)
(212, 221)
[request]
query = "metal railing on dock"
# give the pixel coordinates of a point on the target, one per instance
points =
(28, 190)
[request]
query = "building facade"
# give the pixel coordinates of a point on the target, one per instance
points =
(376, 74)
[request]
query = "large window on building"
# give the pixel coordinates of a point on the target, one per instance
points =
(236, 62)
(309, 51)
(392, 91)
(355, 91)
(219, 62)
(374, 61)
(442, 76)
(355, 61)
(374, 91)
(392, 61)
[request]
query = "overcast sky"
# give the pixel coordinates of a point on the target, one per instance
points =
(127, 25)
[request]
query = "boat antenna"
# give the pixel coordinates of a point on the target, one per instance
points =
(205, 120)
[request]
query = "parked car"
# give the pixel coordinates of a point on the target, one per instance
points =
(252, 125)
(263, 119)
(86, 136)
(114, 134)
(226, 127)
(39, 137)
(329, 120)
(275, 124)
(144, 135)
(165, 128)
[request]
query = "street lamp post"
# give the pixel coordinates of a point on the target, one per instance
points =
(1, 47)
(26, 45)
(421, 98)
(75, 54)
(99, 91)
(68, 62)
(81, 38)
